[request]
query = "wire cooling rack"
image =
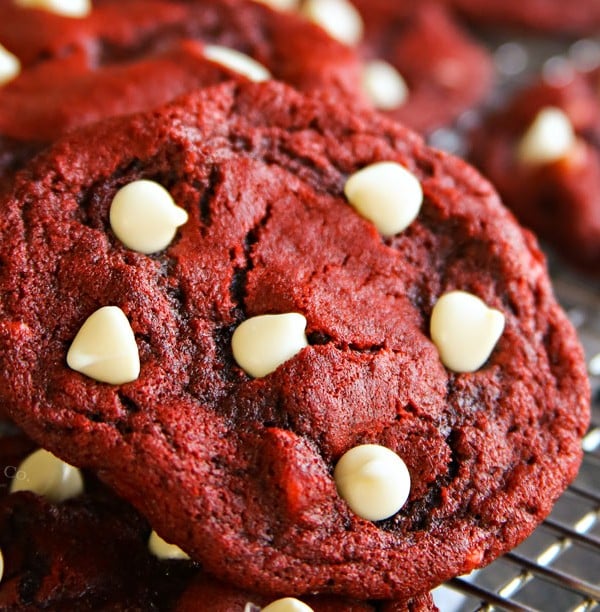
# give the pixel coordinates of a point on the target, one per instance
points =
(558, 568)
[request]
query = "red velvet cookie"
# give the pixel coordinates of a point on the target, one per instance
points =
(555, 188)
(91, 553)
(446, 71)
(135, 55)
(238, 468)
(554, 16)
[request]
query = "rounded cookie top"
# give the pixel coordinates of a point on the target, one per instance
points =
(239, 471)
(75, 94)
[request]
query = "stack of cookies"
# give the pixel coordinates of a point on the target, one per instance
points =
(264, 347)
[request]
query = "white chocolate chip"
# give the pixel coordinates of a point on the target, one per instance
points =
(10, 66)
(387, 194)
(105, 349)
(261, 344)
(384, 85)
(238, 62)
(67, 8)
(44, 474)
(594, 365)
(163, 550)
(373, 480)
(287, 604)
(549, 138)
(281, 5)
(465, 330)
(339, 18)
(144, 216)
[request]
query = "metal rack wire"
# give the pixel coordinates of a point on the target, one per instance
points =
(558, 568)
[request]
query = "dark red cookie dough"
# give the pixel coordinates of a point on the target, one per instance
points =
(552, 16)
(219, 597)
(91, 553)
(447, 71)
(238, 471)
(559, 200)
(131, 56)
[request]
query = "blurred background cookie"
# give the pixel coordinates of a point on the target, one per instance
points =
(123, 57)
(541, 150)
(549, 16)
(419, 65)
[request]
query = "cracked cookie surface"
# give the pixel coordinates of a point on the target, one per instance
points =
(238, 471)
